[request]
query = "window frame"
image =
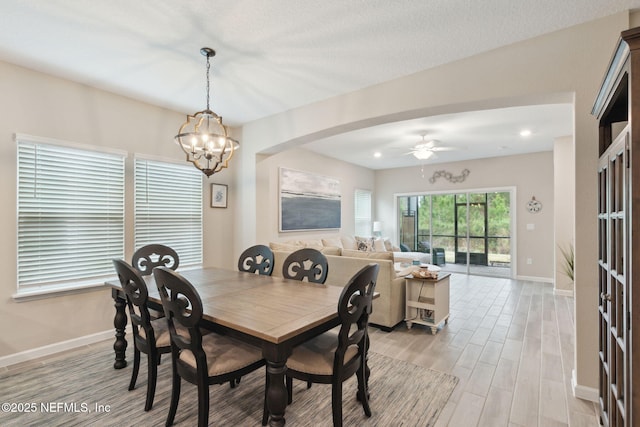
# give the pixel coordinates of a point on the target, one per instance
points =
(190, 255)
(363, 224)
(30, 285)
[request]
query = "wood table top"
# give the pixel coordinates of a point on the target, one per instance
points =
(272, 309)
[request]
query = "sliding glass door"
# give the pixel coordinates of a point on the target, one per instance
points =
(465, 232)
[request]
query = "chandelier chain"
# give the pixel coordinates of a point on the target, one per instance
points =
(208, 67)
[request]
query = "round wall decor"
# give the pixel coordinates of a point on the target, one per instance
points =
(534, 206)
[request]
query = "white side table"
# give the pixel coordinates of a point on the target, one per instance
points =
(427, 301)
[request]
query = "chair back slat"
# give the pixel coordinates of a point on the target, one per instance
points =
(354, 306)
(256, 259)
(306, 264)
(137, 295)
(182, 307)
(146, 258)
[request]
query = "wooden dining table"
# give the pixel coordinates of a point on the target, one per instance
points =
(272, 313)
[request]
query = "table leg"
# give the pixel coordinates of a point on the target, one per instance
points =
(277, 391)
(120, 323)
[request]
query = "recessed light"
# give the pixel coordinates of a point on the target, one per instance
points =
(377, 154)
(525, 132)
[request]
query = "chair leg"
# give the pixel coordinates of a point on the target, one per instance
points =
(336, 403)
(203, 403)
(175, 396)
(309, 384)
(363, 391)
(136, 367)
(289, 390)
(152, 377)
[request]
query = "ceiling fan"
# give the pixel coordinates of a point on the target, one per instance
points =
(427, 149)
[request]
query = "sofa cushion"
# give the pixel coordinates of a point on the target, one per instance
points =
(410, 257)
(331, 250)
(311, 243)
(277, 246)
(364, 243)
(334, 241)
(370, 255)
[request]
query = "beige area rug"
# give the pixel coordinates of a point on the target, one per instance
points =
(83, 389)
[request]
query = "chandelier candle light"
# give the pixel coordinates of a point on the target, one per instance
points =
(204, 138)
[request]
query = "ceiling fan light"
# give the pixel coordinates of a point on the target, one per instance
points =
(422, 154)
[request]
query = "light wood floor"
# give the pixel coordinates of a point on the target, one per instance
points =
(511, 344)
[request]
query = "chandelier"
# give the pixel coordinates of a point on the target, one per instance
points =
(203, 137)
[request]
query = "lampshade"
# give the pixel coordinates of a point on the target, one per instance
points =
(204, 138)
(377, 226)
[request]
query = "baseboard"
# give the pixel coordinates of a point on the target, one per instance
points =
(587, 393)
(47, 350)
(383, 328)
(535, 279)
(563, 292)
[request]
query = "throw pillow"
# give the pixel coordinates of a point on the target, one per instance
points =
(388, 245)
(349, 242)
(378, 245)
(365, 244)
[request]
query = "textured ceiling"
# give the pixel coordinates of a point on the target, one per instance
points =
(273, 55)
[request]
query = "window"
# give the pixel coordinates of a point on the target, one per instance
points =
(70, 215)
(473, 229)
(362, 211)
(168, 208)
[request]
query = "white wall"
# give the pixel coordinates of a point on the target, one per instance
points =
(351, 178)
(567, 66)
(531, 175)
(37, 104)
(564, 196)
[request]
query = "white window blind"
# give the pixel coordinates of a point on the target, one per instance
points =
(168, 208)
(70, 215)
(362, 211)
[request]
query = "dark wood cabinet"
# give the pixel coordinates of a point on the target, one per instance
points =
(617, 108)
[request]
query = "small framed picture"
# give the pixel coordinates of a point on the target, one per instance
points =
(218, 195)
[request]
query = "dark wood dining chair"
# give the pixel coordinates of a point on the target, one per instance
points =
(147, 257)
(256, 259)
(306, 264)
(149, 336)
(199, 359)
(332, 358)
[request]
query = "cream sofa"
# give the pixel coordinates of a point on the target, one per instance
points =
(366, 244)
(388, 308)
